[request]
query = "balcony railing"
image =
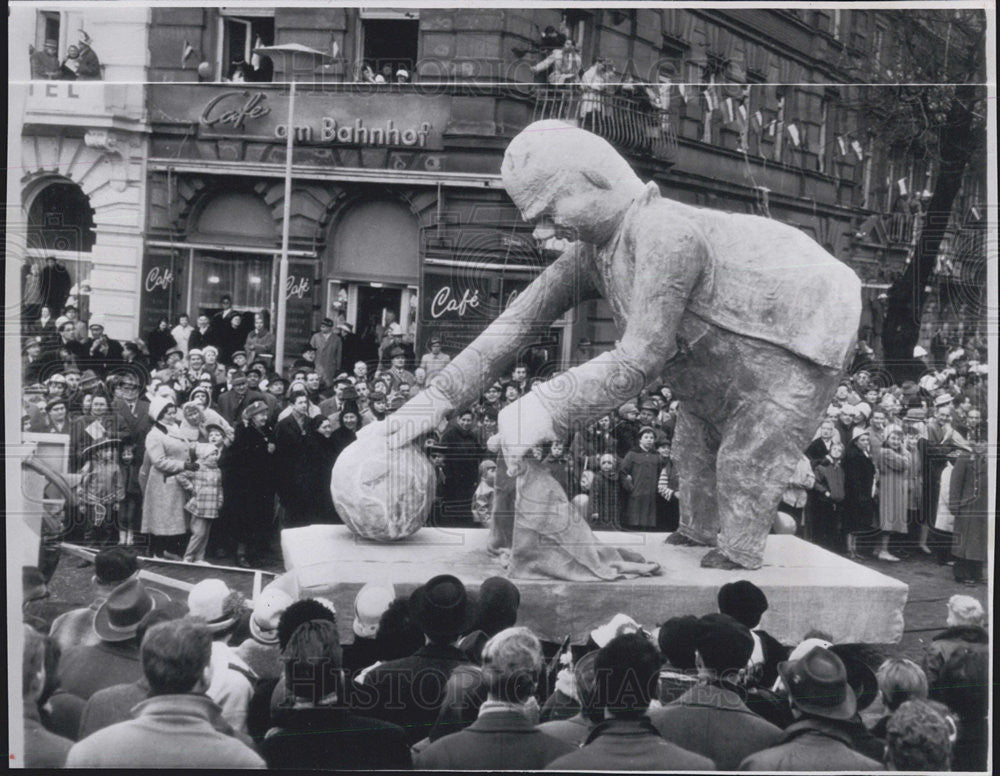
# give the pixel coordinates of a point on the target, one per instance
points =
(627, 122)
(901, 227)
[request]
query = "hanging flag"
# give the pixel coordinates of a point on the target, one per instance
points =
(758, 118)
(975, 213)
(682, 90)
(743, 112)
(710, 99)
(842, 145)
(793, 133)
(772, 127)
(730, 118)
(901, 183)
(858, 150)
(188, 51)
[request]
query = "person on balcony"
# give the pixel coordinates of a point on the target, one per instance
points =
(88, 67)
(596, 81)
(45, 63)
(563, 64)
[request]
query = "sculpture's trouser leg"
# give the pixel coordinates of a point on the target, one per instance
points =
(761, 445)
(697, 444)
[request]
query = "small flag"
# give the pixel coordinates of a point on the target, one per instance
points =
(901, 183)
(975, 213)
(255, 57)
(188, 51)
(729, 110)
(842, 145)
(793, 133)
(858, 150)
(772, 127)
(710, 99)
(682, 90)
(758, 117)
(743, 112)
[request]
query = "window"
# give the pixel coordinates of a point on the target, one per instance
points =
(239, 34)
(47, 28)
(388, 41)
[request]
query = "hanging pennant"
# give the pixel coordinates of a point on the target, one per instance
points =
(772, 127)
(858, 150)
(842, 145)
(730, 117)
(710, 100)
(903, 189)
(758, 118)
(793, 133)
(682, 91)
(743, 113)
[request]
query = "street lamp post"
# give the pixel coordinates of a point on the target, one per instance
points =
(290, 51)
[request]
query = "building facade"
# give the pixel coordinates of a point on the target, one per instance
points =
(397, 211)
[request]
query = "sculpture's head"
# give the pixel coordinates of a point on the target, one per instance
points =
(568, 182)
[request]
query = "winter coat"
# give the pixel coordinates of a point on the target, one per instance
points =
(608, 498)
(643, 469)
(860, 477)
(248, 480)
(968, 491)
(894, 479)
(163, 497)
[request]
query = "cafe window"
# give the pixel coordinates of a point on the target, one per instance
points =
(247, 278)
(388, 40)
(239, 34)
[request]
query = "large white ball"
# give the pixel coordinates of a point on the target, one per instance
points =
(382, 494)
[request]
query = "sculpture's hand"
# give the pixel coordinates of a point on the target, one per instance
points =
(427, 411)
(521, 426)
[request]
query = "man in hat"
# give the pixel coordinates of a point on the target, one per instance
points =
(233, 402)
(55, 419)
(329, 347)
(88, 66)
(175, 727)
(711, 718)
(201, 335)
(131, 410)
(45, 62)
(112, 567)
(409, 691)
(434, 360)
(746, 603)
(260, 652)
(102, 352)
(396, 373)
(114, 659)
(822, 702)
(32, 363)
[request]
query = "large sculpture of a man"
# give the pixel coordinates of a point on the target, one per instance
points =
(748, 320)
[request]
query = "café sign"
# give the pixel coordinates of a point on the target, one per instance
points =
(240, 112)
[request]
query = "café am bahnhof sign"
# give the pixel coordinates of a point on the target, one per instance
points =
(361, 118)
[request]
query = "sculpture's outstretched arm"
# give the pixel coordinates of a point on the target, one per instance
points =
(561, 286)
(669, 262)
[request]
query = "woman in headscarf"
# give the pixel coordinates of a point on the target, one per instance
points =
(159, 341)
(167, 453)
(95, 424)
(202, 396)
(347, 428)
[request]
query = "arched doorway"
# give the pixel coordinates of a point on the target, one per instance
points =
(60, 218)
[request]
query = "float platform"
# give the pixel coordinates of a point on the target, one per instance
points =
(806, 586)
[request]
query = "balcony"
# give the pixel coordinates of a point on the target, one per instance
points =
(629, 123)
(96, 104)
(901, 228)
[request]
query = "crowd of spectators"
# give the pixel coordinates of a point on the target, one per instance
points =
(445, 678)
(191, 445)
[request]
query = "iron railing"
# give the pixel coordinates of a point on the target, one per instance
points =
(627, 122)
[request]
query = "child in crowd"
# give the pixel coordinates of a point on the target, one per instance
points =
(102, 489)
(642, 465)
(482, 500)
(205, 487)
(558, 466)
(130, 516)
(667, 485)
(608, 494)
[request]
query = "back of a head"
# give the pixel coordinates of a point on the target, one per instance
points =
(627, 669)
(964, 610)
(298, 613)
(551, 158)
(744, 601)
(725, 644)
(511, 662)
(585, 674)
(676, 640)
(498, 601)
(174, 655)
(901, 680)
(918, 738)
(313, 659)
(397, 635)
(963, 683)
